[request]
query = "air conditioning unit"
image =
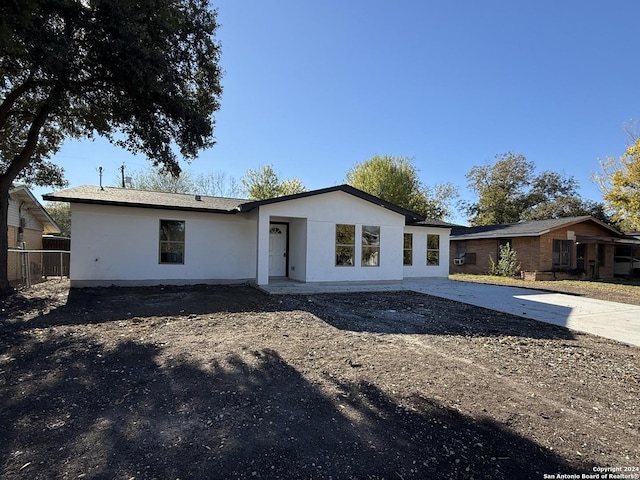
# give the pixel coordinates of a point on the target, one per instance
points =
(458, 261)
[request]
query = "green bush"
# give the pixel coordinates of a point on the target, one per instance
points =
(508, 265)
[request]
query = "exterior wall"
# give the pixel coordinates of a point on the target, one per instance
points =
(320, 214)
(12, 236)
(297, 249)
(419, 267)
(483, 249)
(31, 236)
(13, 219)
(15, 213)
(527, 252)
(120, 245)
(13, 259)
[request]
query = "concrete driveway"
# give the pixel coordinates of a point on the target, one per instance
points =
(617, 321)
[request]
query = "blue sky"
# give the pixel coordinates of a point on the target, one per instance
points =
(314, 87)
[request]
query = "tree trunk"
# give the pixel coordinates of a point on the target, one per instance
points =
(19, 162)
(4, 240)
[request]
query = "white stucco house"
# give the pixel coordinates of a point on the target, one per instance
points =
(336, 234)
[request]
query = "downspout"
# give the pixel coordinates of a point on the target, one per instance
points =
(20, 226)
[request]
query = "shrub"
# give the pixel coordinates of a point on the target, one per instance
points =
(507, 265)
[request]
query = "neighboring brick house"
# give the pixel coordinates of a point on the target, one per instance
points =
(27, 221)
(577, 245)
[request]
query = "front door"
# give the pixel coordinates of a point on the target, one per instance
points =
(581, 253)
(278, 250)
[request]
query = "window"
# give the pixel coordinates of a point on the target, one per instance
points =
(408, 249)
(503, 242)
(561, 253)
(462, 256)
(171, 241)
(433, 250)
(601, 254)
(461, 249)
(370, 246)
(461, 253)
(345, 245)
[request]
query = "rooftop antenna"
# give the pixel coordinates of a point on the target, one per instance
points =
(100, 173)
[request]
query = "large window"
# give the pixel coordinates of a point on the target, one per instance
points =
(370, 246)
(433, 250)
(345, 245)
(407, 258)
(562, 253)
(171, 241)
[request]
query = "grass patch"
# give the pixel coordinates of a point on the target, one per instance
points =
(615, 290)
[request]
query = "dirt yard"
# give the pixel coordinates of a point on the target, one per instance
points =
(227, 382)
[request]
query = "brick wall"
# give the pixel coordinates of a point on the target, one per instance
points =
(482, 249)
(526, 248)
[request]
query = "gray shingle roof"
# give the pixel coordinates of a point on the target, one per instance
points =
(93, 194)
(430, 222)
(521, 229)
(145, 199)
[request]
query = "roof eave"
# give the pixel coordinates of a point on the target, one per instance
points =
(348, 189)
(472, 236)
(48, 223)
(89, 201)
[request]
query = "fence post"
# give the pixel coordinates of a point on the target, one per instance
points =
(27, 267)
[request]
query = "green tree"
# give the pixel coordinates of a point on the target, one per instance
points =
(568, 206)
(143, 74)
(500, 189)
(61, 214)
(552, 195)
(620, 185)
(265, 183)
(509, 191)
(395, 179)
(291, 186)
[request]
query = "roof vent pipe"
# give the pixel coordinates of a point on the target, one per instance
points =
(198, 198)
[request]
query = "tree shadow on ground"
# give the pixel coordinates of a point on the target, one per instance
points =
(99, 305)
(72, 407)
(416, 313)
(375, 312)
